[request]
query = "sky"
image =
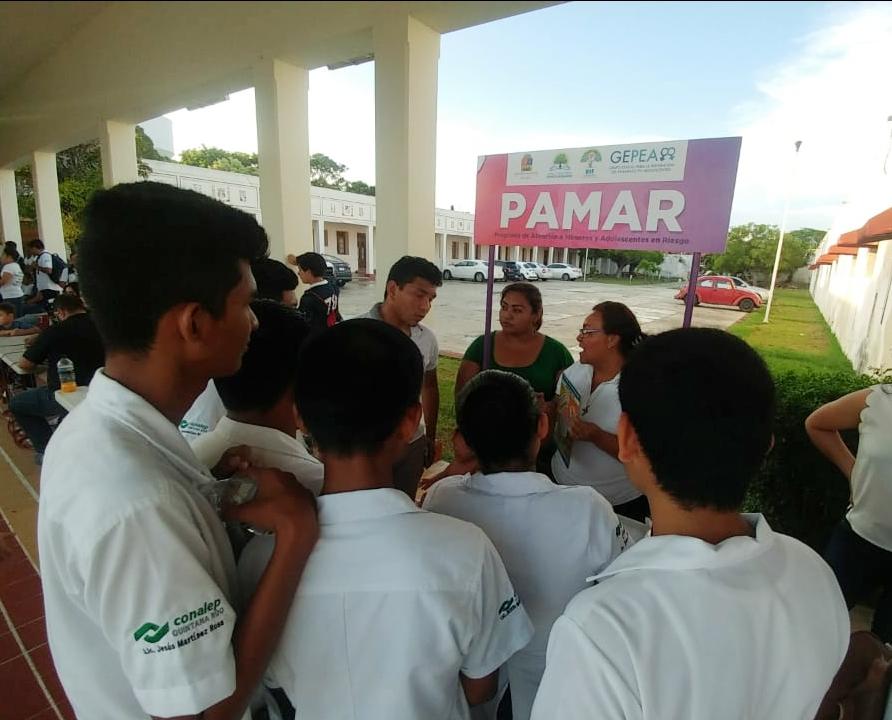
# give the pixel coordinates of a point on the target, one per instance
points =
(592, 73)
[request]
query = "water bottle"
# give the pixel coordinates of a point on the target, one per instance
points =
(67, 379)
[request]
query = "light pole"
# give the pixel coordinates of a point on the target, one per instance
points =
(783, 229)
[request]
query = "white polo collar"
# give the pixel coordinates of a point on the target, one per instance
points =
(263, 438)
(509, 484)
(680, 552)
(317, 284)
(360, 505)
(109, 398)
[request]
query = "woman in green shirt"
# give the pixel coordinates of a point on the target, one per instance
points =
(519, 347)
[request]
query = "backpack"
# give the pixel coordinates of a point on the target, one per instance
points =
(59, 266)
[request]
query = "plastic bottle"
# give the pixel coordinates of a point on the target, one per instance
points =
(67, 379)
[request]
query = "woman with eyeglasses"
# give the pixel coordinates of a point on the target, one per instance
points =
(607, 338)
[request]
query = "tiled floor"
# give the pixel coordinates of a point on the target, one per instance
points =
(31, 690)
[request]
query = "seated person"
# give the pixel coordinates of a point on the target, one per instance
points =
(11, 325)
(550, 537)
(400, 613)
(714, 615)
(275, 280)
(11, 277)
(74, 336)
(259, 400)
(319, 303)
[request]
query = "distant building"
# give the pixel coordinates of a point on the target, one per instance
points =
(160, 130)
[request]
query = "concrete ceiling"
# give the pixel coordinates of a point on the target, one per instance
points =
(29, 29)
(65, 66)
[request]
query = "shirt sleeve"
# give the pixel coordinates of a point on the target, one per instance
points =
(579, 678)
(474, 353)
(607, 536)
(435, 354)
(45, 261)
(147, 588)
(38, 350)
(501, 626)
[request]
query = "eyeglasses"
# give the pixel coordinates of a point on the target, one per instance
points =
(589, 331)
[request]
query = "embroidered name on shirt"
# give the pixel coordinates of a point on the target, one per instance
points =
(508, 607)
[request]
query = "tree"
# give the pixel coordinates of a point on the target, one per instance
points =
(560, 160)
(359, 187)
(327, 173)
(751, 249)
(630, 259)
(219, 159)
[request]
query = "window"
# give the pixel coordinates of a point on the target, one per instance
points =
(343, 244)
(707, 283)
(243, 195)
(454, 251)
(222, 194)
(723, 284)
(325, 237)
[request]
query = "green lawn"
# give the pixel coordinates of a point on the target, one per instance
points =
(447, 370)
(796, 336)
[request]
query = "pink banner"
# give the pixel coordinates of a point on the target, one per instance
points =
(667, 196)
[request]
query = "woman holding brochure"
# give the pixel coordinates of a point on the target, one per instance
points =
(589, 410)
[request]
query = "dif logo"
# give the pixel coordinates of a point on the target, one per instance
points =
(590, 157)
(643, 155)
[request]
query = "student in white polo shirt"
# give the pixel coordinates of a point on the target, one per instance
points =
(138, 577)
(401, 613)
(259, 400)
(411, 289)
(714, 615)
(550, 537)
(275, 281)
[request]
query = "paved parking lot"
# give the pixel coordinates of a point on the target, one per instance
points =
(458, 313)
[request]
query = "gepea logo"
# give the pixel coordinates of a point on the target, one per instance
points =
(150, 632)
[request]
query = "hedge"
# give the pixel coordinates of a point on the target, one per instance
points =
(800, 492)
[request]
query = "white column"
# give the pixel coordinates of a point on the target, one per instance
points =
(548, 255)
(406, 56)
(317, 236)
(370, 251)
(280, 98)
(443, 249)
(321, 235)
(516, 253)
(117, 146)
(46, 200)
(9, 209)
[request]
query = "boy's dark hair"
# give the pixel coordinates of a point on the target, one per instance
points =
(618, 319)
(268, 365)
(497, 414)
(273, 278)
(409, 267)
(313, 262)
(36, 243)
(201, 240)
(68, 303)
(357, 380)
(702, 403)
(11, 250)
(532, 295)
(7, 308)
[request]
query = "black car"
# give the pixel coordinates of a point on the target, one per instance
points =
(337, 270)
(512, 269)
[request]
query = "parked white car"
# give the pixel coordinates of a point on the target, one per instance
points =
(529, 270)
(564, 271)
(544, 272)
(743, 284)
(476, 270)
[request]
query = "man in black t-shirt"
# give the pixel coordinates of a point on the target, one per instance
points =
(319, 303)
(74, 336)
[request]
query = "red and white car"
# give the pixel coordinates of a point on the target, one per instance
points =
(721, 290)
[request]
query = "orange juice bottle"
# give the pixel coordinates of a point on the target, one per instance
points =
(67, 379)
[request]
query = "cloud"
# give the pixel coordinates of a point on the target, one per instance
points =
(835, 95)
